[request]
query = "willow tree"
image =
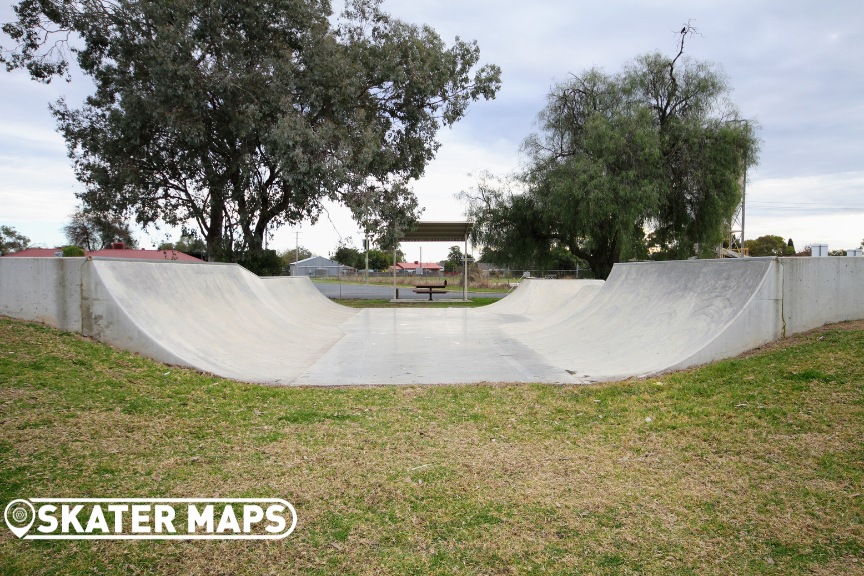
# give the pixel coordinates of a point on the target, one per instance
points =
(656, 149)
(239, 117)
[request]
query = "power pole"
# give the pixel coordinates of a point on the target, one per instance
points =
(297, 251)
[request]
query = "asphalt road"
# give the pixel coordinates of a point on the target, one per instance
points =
(379, 291)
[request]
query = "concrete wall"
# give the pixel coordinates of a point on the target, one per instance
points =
(43, 290)
(818, 291)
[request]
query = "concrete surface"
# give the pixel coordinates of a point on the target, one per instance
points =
(819, 291)
(218, 318)
(645, 319)
(46, 290)
(653, 317)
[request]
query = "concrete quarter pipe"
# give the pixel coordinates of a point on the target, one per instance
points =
(645, 319)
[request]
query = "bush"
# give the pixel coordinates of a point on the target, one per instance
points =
(73, 251)
(263, 263)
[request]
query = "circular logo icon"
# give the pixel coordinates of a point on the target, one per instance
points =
(19, 516)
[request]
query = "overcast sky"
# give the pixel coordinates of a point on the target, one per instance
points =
(795, 67)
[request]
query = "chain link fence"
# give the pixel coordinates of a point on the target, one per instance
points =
(340, 282)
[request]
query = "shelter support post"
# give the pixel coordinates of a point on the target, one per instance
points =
(465, 274)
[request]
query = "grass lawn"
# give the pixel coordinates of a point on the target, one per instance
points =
(384, 303)
(749, 466)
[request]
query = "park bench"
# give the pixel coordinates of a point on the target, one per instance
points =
(430, 289)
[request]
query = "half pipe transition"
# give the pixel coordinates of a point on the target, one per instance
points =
(645, 319)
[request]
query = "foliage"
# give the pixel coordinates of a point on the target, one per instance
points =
(657, 146)
(455, 261)
(264, 262)
(94, 230)
(73, 251)
(562, 259)
(12, 241)
(514, 232)
(379, 259)
(240, 117)
(348, 256)
(289, 255)
(837, 253)
(768, 246)
(189, 243)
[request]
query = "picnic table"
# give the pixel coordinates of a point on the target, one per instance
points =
(430, 289)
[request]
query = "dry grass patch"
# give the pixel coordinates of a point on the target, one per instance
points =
(750, 466)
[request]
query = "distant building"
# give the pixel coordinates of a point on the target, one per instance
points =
(424, 268)
(319, 266)
(36, 253)
(144, 254)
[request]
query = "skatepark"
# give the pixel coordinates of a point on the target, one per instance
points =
(647, 318)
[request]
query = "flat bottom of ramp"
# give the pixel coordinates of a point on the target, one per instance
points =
(428, 346)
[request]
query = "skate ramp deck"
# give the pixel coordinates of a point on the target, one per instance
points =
(645, 319)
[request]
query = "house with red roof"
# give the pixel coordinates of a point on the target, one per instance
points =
(36, 253)
(119, 251)
(144, 254)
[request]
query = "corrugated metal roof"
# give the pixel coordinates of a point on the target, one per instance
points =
(438, 232)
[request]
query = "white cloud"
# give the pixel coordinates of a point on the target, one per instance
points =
(826, 209)
(795, 70)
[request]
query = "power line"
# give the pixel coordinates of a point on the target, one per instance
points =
(832, 204)
(825, 209)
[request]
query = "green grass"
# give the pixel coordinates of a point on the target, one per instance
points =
(749, 466)
(384, 303)
(454, 284)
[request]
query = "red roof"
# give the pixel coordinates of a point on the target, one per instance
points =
(416, 265)
(36, 253)
(144, 255)
(112, 253)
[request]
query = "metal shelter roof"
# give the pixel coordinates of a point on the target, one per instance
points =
(438, 232)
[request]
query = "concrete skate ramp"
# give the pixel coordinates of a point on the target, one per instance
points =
(216, 318)
(535, 297)
(645, 319)
(649, 318)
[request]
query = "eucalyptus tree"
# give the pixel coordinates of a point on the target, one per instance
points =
(12, 241)
(239, 117)
(95, 230)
